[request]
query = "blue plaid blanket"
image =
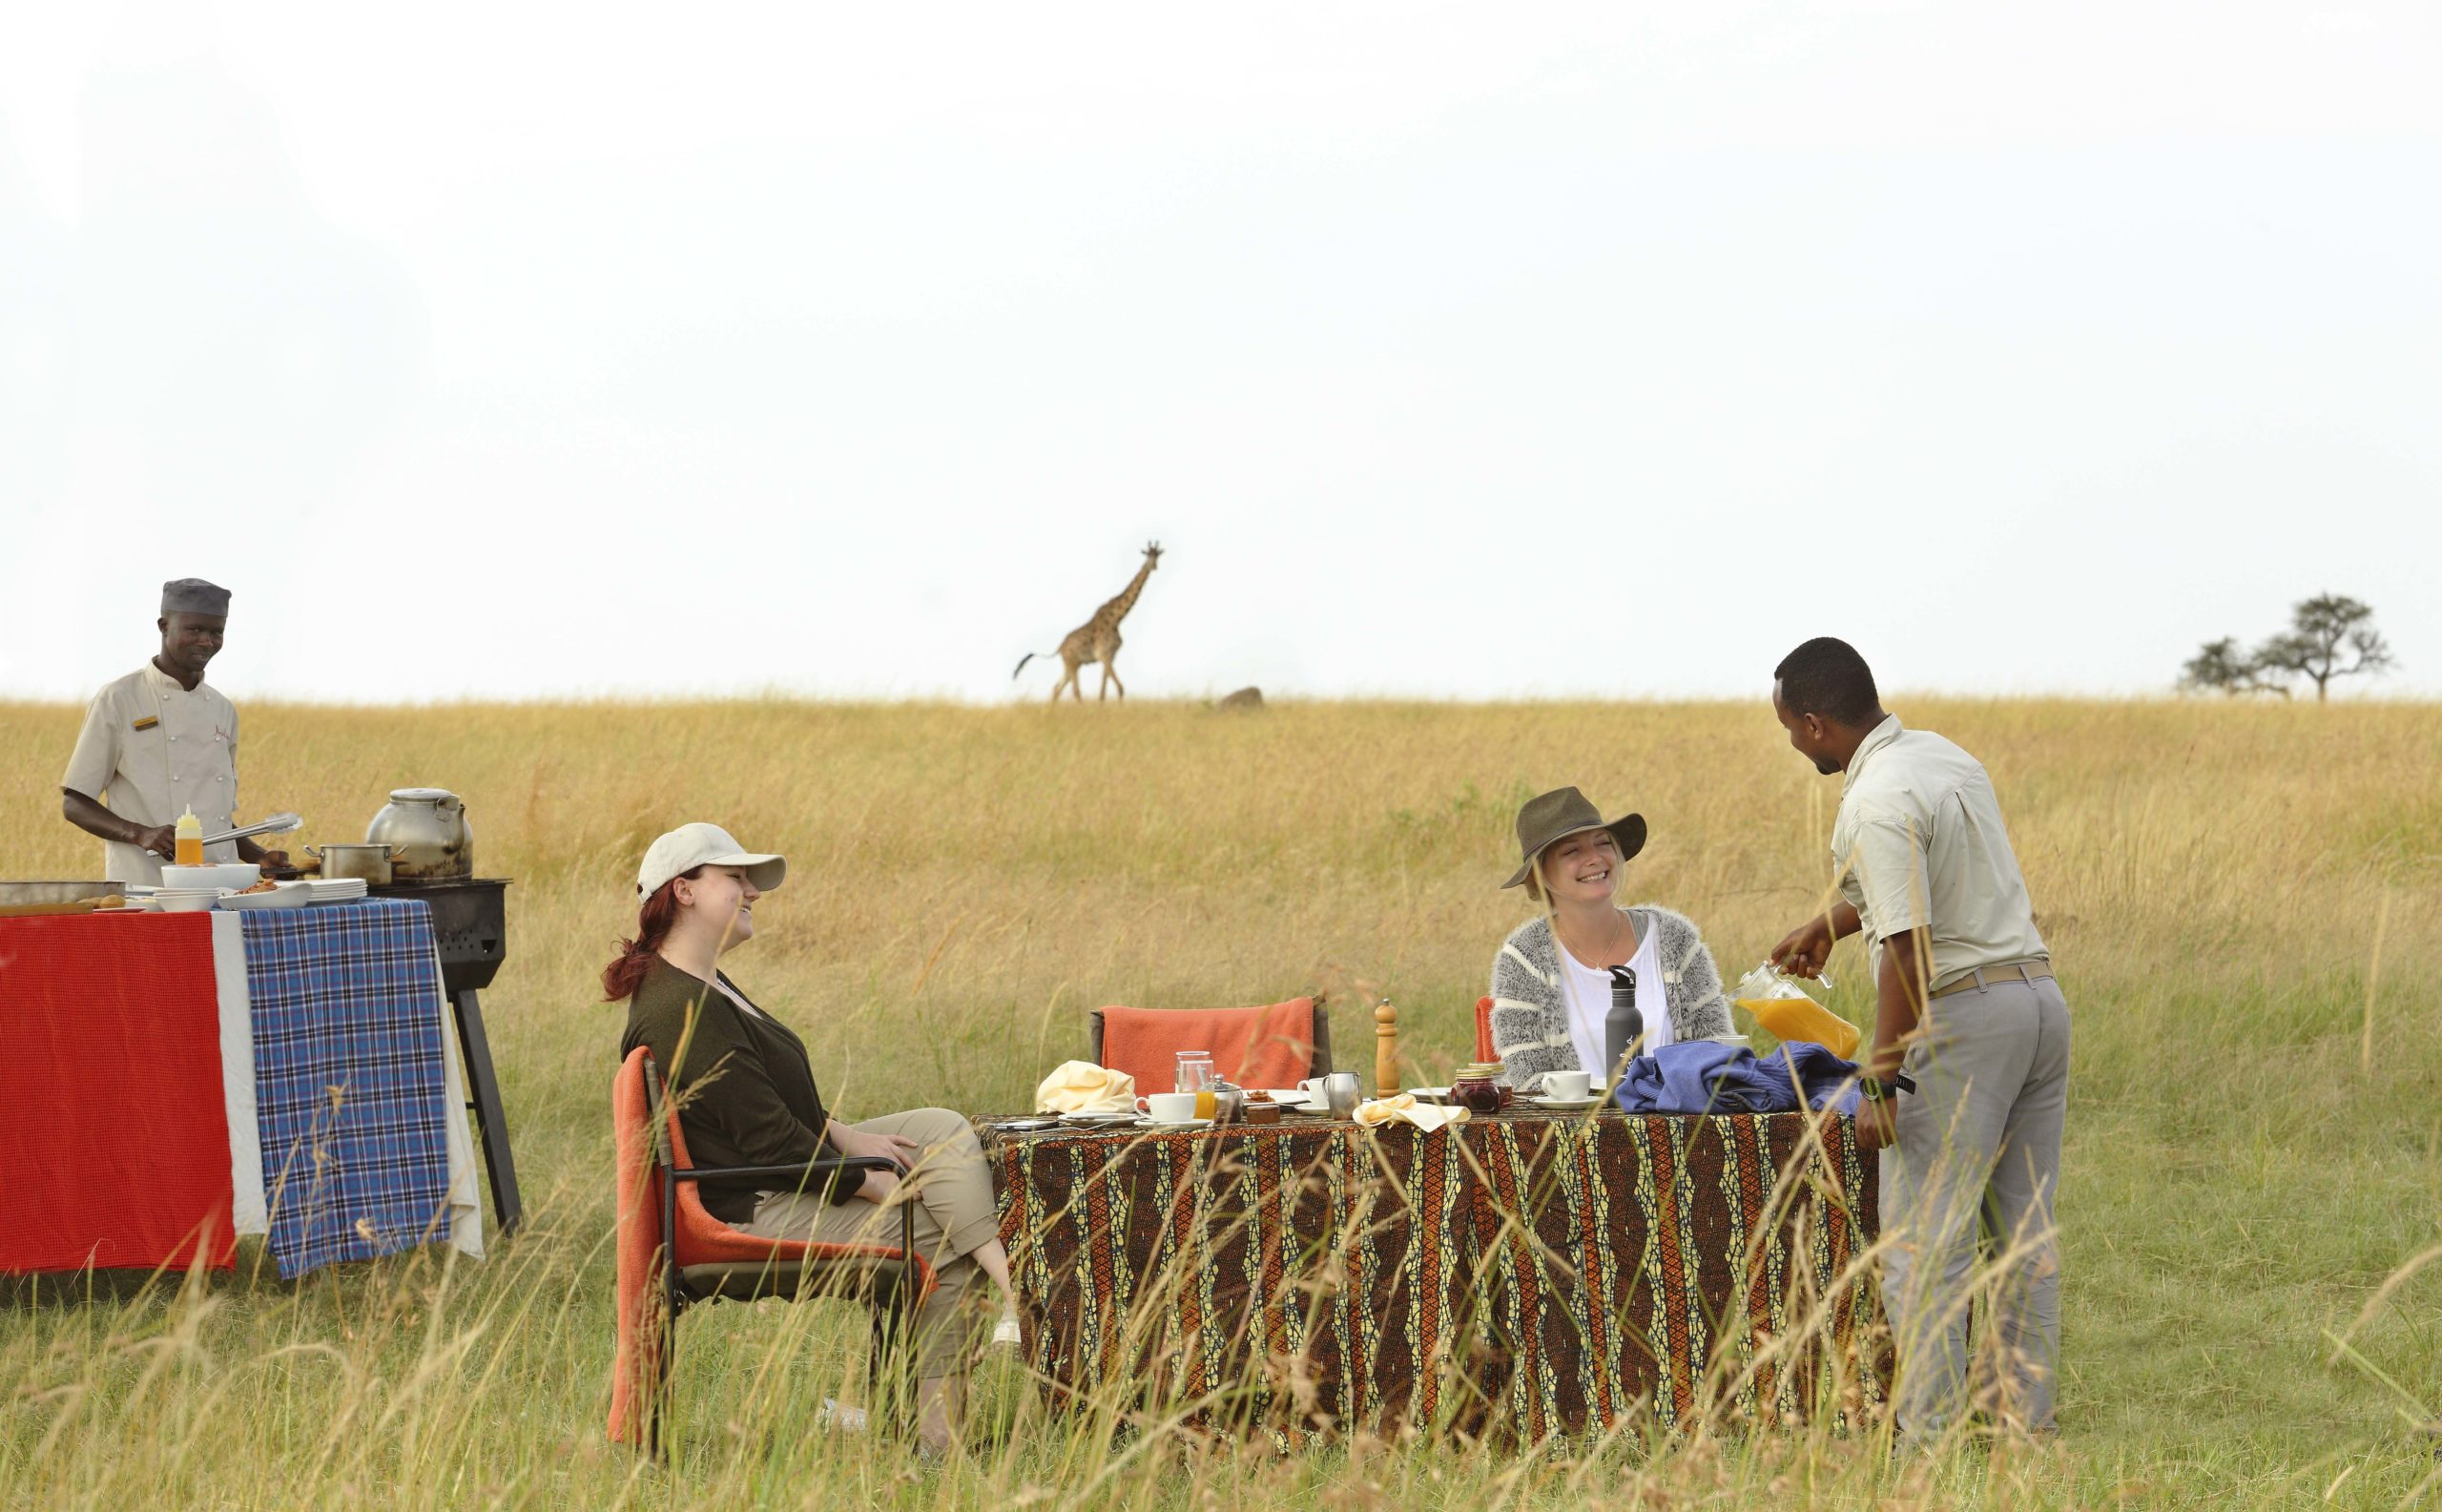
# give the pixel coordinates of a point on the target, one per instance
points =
(348, 1079)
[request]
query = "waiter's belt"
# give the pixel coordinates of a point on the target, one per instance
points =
(2030, 970)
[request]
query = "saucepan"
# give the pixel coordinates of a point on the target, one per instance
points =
(372, 862)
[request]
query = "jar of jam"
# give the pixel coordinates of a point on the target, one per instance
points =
(1477, 1088)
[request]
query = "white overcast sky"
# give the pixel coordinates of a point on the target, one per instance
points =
(527, 349)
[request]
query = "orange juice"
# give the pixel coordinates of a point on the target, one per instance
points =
(188, 835)
(1804, 1019)
(1206, 1102)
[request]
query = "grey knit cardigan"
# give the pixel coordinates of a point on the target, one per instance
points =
(1530, 1006)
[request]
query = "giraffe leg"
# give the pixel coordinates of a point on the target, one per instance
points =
(1110, 671)
(1104, 691)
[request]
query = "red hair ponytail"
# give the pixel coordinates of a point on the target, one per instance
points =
(626, 970)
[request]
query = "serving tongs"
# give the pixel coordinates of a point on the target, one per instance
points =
(277, 824)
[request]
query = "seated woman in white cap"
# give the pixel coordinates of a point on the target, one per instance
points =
(749, 1099)
(1552, 978)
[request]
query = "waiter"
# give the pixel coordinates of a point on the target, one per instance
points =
(160, 741)
(1968, 1086)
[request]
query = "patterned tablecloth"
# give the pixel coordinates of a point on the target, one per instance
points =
(1515, 1276)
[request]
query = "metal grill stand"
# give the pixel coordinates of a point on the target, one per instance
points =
(471, 927)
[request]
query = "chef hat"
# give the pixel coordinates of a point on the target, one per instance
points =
(193, 595)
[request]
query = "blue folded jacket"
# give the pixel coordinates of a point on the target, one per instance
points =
(1705, 1076)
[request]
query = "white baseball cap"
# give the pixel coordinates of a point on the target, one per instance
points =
(693, 845)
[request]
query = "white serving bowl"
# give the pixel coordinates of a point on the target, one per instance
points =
(228, 874)
(174, 903)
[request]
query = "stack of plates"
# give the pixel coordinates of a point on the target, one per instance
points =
(283, 895)
(335, 889)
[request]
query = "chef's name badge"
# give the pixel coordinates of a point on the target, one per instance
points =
(148, 721)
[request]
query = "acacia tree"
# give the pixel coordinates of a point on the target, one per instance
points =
(2220, 666)
(2311, 648)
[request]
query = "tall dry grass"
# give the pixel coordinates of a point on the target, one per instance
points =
(2251, 1166)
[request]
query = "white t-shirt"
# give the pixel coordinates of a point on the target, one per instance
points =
(1587, 991)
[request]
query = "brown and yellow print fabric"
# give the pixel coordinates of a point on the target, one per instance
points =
(1513, 1277)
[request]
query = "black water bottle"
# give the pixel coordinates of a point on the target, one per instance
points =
(1625, 1025)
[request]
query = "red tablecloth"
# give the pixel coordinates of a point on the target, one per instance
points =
(112, 1114)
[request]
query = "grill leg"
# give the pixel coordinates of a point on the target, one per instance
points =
(491, 1123)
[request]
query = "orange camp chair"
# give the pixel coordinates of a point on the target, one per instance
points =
(1279, 1045)
(1483, 1029)
(673, 1253)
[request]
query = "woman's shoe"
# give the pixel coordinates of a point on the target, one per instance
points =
(1005, 1331)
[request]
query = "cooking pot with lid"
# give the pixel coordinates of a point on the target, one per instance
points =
(427, 832)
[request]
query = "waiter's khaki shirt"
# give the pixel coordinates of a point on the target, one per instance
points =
(151, 749)
(1920, 843)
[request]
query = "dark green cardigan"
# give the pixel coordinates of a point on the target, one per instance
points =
(754, 1100)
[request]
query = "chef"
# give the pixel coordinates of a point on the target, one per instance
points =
(160, 741)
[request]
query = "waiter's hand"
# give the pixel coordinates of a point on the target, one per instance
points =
(161, 840)
(1803, 950)
(1878, 1123)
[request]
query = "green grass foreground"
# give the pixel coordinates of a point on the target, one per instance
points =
(2245, 902)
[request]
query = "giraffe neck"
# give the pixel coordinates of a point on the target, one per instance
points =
(1117, 608)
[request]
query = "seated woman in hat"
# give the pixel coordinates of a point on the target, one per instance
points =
(1551, 982)
(746, 1096)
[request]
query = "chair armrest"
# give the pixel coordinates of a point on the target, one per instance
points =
(809, 1168)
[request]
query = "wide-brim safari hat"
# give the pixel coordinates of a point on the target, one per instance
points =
(1561, 813)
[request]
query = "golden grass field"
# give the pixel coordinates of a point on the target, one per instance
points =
(2245, 901)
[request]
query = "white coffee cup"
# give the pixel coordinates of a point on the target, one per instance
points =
(1170, 1107)
(1567, 1087)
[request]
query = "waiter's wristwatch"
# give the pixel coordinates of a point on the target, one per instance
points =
(1880, 1091)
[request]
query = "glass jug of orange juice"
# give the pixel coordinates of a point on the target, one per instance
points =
(1783, 1007)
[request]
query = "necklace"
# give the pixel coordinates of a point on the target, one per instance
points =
(1618, 919)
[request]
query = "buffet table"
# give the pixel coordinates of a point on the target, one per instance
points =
(180, 1079)
(1510, 1277)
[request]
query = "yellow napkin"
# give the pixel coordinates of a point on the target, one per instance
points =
(1404, 1109)
(1081, 1087)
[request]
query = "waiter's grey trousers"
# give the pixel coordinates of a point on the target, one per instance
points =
(1980, 1139)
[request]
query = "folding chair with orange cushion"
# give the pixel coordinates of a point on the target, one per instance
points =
(1278, 1044)
(1483, 1029)
(705, 1259)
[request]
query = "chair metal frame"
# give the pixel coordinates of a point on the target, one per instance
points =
(894, 1297)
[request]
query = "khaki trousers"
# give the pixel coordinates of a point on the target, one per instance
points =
(955, 1216)
(1978, 1151)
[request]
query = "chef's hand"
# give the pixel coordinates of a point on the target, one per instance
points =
(160, 839)
(857, 1143)
(272, 860)
(1803, 950)
(1877, 1124)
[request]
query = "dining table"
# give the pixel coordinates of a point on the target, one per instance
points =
(183, 1079)
(1511, 1277)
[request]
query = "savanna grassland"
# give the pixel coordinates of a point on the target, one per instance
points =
(2245, 902)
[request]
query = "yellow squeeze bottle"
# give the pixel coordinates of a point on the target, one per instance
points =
(1802, 1018)
(189, 840)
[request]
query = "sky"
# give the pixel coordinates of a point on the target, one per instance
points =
(539, 350)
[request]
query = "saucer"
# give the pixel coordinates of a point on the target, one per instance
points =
(1185, 1123)
(1566, 1104)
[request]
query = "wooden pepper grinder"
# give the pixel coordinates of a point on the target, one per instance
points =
(1386, 1049)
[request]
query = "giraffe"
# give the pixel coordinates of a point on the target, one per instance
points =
(1097, 639)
